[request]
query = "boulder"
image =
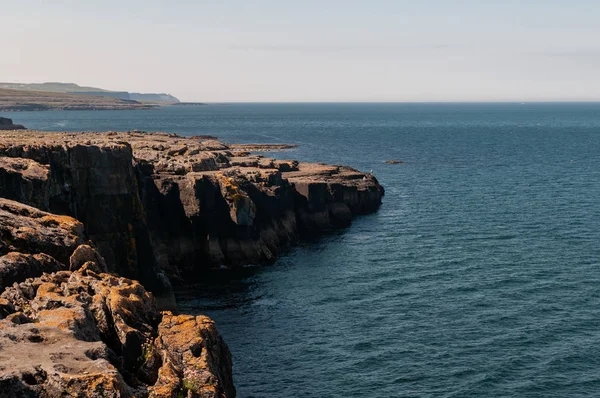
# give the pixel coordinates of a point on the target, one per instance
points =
(191, 346)
(25, 181)
(85, 254)
(26, 229)
(16, 267)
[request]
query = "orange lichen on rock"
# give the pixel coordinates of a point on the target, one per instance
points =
(192, 349)
(242, 209)
(98, 335)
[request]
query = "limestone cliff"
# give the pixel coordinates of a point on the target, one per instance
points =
(67, 327)
(83, 215)
(159, 201)
(95, 184)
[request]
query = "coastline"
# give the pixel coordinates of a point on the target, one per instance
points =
(154, 207)
(22, 101)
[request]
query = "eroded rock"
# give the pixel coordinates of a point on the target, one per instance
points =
(153, 201)
(26, 229)
(94, 182)
(16, 267)
(25, 181)
(85, 254)
(149, 202)
(87, 334)
(195, 359)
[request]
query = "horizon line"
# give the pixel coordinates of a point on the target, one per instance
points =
(561, 101)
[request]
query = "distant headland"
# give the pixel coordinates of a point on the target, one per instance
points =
(70, 96)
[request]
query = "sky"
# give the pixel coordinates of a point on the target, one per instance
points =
(327, 50)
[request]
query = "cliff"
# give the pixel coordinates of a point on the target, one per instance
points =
(95, 184)
(154, 97)
(84, 215)
(163, 203)
(69, 328)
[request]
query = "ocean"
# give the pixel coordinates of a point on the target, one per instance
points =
(478, 277)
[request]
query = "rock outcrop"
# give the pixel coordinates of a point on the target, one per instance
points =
(96, 335)
(85, 333)
(97, 185)
(211, 205)
(7, 124)
(158, 201)
(26, 229)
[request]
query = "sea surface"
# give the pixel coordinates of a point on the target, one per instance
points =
(478, 277)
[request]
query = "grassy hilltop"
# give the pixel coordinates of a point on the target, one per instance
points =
(30, 100)
(70, 96)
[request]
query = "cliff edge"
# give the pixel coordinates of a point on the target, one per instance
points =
(84, 216)
(160, 204)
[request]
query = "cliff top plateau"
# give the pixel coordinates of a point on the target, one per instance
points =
(31, 100)
(71, 88)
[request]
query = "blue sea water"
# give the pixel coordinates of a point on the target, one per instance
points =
(478, 277)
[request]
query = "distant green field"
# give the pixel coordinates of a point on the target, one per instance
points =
(32, 100)
(72, 88)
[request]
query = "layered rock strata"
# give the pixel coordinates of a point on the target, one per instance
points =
(159, 201)
(97, 185)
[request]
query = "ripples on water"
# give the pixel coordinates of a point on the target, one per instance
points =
(479, 276)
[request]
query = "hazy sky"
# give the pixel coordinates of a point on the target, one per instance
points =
(327, 50)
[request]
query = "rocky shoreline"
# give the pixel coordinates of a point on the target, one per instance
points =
(84, 216)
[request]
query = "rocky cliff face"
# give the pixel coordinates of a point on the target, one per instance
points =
(82, 215)
(95, 184)
(67, 327)
(210, 204)
(155, 202)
